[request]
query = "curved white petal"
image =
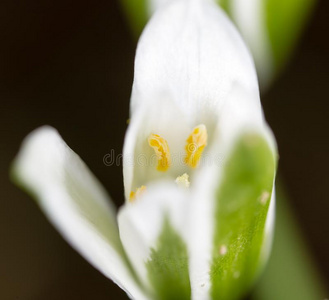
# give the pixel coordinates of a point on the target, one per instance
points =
(201, 232)
(141, 222)
(75, 203)
(191, 50)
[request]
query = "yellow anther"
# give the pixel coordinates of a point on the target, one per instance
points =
(161, 149)
(134, 195)
(195, 145)
(183, 181)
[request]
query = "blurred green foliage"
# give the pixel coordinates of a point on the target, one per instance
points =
(290, 273)
(285, 20)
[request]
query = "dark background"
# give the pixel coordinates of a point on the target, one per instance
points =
(69, 63)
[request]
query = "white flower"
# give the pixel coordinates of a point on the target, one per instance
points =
(199, 168)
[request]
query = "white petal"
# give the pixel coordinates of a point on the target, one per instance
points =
(153, 5)
(239, 114)
(250, 18)
(75, 203)
(202, 209)
(191, 51)
(141, 222)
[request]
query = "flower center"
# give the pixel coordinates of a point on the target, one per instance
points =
(195, 145)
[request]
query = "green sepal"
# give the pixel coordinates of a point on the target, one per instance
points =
(168, 266)
(242, 203)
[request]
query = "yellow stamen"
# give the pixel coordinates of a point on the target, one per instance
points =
(183, 181)
(140, 191)
(195, 145)
(161, 149)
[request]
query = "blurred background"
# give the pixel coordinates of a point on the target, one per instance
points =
(69, 64)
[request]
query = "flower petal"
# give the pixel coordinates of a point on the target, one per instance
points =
(191, 50)
(75, 202)
(233, 219)
(153, 232)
